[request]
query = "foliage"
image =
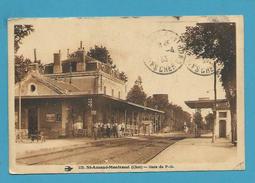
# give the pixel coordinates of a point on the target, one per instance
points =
(198, 120)
(158, 101)
(136, 93)
(216, 41)
(175, 116)
(21, 67)
(209, 118)
(123, 76)
(20, 32)
(21, 63)
(101, 54)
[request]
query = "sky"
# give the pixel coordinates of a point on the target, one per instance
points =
(126, 39)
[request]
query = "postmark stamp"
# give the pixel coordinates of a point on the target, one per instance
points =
(202, 67)
(164, 54)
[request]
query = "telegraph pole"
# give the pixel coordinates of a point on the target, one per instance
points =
(215, 101)
(19, 105)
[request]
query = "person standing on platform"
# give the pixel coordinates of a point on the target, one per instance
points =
(119, 130)
(104, 129)
(95, 130)
(100, 131)
(114, 130)
(108, 130)
(122, 129)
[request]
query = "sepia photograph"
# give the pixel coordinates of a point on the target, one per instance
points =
(126, 94)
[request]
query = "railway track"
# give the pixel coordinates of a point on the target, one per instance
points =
(118, 151)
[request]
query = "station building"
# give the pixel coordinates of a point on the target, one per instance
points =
(74, 93)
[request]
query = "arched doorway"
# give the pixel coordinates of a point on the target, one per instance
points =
(222, 128)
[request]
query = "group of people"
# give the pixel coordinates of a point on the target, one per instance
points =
(102, 130)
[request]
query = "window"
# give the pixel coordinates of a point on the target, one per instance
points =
(105, 90)
(112, 92)
(32, 88)
(222, 114)
(119, 94)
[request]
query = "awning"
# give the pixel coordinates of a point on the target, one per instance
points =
(82, 95)
(200, 104)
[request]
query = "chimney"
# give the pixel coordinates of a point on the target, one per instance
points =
(57, 65)
(35, 60)
(80, 44)
(68, 53)
(81, 65)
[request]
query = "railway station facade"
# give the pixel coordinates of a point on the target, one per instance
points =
(75, 93)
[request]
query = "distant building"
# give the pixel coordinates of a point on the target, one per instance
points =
(74, 94)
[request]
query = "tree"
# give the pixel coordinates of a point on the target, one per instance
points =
(209, 118)
(174, 117)
(101, 54)
(216, 41)
(136, 93)
(21, 63)
(123, 76)
(159, 101)
(21, 67)
(198, 120)
(20, 32)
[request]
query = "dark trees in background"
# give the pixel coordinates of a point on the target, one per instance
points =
(21, 67)
(123, 76)
(21, 63)
(209, 118)
(102, 54)
(20, 32)
(136, 93)
(198, 120)
(175, 116)
(216, 41)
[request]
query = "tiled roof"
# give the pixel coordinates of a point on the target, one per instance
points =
(58, 86)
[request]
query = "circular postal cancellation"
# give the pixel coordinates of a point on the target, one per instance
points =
(163, 54)
(202, 67)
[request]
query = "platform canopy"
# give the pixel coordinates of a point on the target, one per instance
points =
(102, 98)
(207, 103)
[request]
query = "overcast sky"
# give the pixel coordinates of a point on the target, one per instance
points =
(126, 39)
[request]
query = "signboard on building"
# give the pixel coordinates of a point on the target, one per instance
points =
(51, 117)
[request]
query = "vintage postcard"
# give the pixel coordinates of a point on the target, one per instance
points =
(126, 94)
